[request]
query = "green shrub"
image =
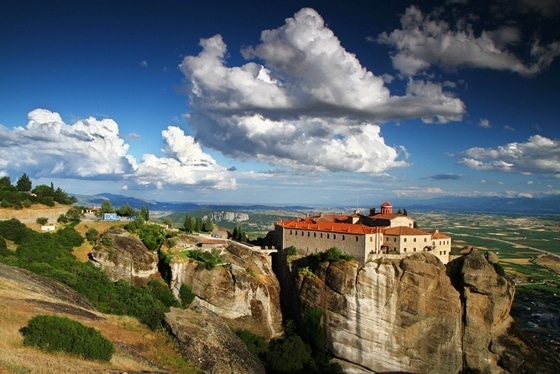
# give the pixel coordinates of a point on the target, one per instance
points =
(91, 235)
(186, 294)
(42, 220)
(257, 345)
(291, 251)
(52, 333)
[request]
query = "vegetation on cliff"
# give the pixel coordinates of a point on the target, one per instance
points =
(22, 195)
(50, 254)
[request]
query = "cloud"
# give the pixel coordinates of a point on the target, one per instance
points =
(484, 123)
(144, 63)
(446, 176)
(424, 41)
(87, 148)
(539, 155)
(185, 164)
(310, 105)
(93, 149)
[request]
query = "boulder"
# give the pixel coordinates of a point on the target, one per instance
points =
(124, 256)
(209, 344)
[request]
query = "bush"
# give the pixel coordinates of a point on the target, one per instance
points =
(52, 333)
(186, 294)
(257, 345)
(42, 220)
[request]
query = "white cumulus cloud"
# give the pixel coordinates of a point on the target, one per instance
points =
(93, 149)
(87, 148)
(185, 164)
(424, 41)
(539, 155)
(302, 101)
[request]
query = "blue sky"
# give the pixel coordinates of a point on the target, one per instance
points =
(316, 102)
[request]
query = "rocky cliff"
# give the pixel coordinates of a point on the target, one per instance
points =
(209, 343)
(244, 290)
(410, 316)
(124, 256)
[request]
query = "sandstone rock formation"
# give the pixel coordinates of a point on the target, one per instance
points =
(410, 316)
(245, 289)
(124, 256)
(206, 340)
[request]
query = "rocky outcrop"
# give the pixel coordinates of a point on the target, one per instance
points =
(410, 316)
(388, 317)
(124, 256)
(206, 340)
(223, 216)
(244, 289)
(487, 299)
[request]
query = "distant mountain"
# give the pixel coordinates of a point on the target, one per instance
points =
(521, 205)
(153, 205)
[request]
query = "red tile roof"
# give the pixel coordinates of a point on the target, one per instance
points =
(328, 226)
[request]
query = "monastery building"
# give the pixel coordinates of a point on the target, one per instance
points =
(364, 237)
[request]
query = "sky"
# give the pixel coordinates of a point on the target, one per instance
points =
(294, 102)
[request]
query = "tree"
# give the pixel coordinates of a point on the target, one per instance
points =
(126, 211)
(5, 182)
(208, 225)
(107, 207)
(43, 190)
(24, 183)
(198, 224)
(189, 223)
(74, 214)
(145, 213)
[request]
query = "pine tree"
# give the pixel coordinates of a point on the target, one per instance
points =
(208, 225)
(24, 183)
(198, 224)
(188, 224)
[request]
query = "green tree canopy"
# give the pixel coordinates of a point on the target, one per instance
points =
(24, 183)
(107, 207)
(208, 225)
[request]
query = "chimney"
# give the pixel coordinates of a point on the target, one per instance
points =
(371, 211)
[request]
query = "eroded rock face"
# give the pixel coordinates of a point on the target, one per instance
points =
(411, 316)
(385, 317)
(208, 343)
(487, 302)
(124, 256)
(245, 289)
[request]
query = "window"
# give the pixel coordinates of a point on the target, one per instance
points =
(356, 238)
(334, 236)
(314, 234)
(414, 240)
(343, 238)
(404, 250)
(328, 236)
(394, 239)
(414, 250)
(321, 235)
(405, 240)
(425, 240)
(308, 233)
(371, 238)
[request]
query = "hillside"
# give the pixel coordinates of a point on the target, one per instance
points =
(24, 295)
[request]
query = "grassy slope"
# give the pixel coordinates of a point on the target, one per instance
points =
(137, 348)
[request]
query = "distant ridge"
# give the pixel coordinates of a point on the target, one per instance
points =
(521, 205)
(120, 200)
